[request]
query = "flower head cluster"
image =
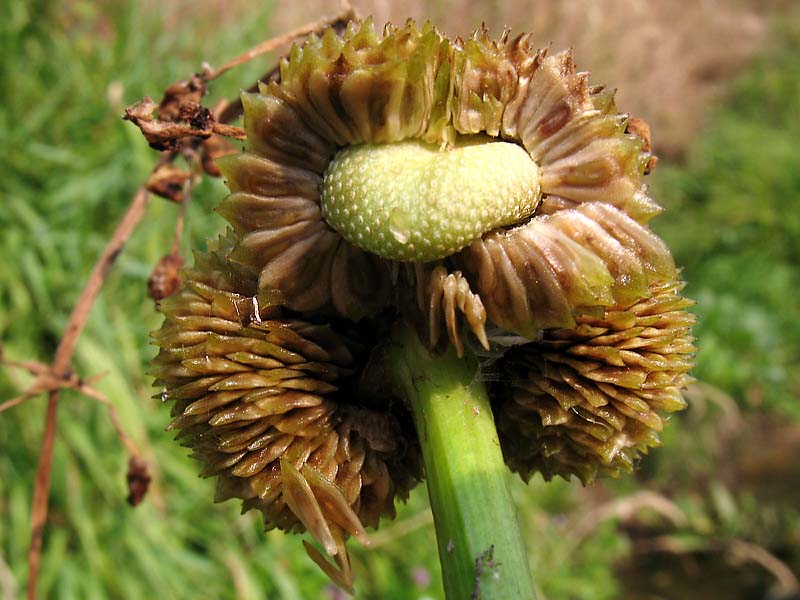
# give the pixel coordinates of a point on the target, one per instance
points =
(480, 191)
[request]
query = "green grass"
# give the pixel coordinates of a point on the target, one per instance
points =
(733, 222)
(68, 167)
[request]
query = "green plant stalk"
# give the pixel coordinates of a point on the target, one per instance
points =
(480, 546)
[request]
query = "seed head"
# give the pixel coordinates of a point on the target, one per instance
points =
(480, 191)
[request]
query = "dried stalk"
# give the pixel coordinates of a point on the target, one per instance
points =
(347, 14)
(180, 127)
(61, 368)
(740, 551)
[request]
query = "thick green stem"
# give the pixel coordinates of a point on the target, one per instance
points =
(480, 546)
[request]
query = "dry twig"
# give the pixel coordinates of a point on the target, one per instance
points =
(625, 508)
(346, 14)
(61, 370)
(786, 583)
(180, 126)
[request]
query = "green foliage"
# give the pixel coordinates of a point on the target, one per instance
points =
(734, 224)
(565, 563)
(68, 168)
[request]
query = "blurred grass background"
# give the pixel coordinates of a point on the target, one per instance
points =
(713, 514)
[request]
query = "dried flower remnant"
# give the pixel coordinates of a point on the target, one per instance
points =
(165, 279)
(168, 181)
(138, 478)
(587, 400)
(479, 191)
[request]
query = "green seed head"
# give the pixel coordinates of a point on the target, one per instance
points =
(410, 201)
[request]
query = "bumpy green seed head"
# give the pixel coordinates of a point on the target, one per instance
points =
(411, 201)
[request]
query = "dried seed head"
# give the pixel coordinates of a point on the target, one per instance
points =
(586, 401)
(483, 192)
(266, 403)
